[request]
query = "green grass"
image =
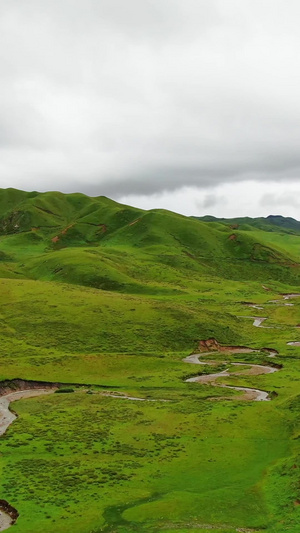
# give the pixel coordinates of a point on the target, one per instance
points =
(116, 303)
(189, 461)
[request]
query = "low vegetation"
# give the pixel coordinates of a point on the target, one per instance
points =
(113, 298)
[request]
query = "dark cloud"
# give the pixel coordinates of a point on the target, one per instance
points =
(141, 97)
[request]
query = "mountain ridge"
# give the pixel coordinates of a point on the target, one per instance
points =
(100, 243)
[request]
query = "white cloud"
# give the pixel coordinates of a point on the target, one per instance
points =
(227, 200)
(138, 98)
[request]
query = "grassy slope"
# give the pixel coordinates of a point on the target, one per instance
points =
(168, 281)
(99, 243)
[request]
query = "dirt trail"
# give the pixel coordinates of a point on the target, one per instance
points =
(8, 514)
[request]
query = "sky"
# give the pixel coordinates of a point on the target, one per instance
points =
(187, 105)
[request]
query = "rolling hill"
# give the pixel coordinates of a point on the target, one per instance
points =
(108, 303)
(99, 243)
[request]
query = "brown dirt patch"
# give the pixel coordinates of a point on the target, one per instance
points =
(8, 509)
(102, 228)
(212, 345)
(64, 231)
(134, 222)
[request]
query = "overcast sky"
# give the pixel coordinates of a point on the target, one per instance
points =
(190, 105)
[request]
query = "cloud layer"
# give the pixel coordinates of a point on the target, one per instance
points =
(147, 97)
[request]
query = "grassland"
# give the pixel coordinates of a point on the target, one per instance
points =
(114, 304)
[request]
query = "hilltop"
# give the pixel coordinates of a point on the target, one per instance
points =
(270, 223)
(103, 244)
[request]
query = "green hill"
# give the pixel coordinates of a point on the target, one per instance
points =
(103, 244)
(110, 301)
(270, 223)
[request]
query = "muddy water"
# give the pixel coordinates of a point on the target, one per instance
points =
(5, 521)
(249, 394)
(7, 418)
(194, 359)
(293, 343)
(285, 297)
(257, 321)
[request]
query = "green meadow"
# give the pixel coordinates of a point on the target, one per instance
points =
(108, 300)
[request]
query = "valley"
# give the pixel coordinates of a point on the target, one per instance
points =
(172, 409)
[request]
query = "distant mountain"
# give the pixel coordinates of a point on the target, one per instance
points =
(270, 223)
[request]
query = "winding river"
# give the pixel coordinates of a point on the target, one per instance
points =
(253, 369)
(8, 515)
(249, 394)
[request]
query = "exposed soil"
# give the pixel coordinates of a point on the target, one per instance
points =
(65, 231)
(9, 386)
(212, 345)
(8, 515)
(102, 228)
(270, 351)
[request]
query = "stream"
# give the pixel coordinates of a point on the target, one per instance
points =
(249, 394)
(257, 321)
(9, 515)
